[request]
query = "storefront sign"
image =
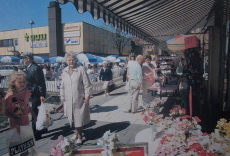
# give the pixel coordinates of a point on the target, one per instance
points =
(73, 40)
(71, 28)
(72, 33)
(36, 37)
(191, 42)
(38, 44)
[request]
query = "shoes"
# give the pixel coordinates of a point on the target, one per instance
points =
(140, 108)
(37, 136)
(128, 111)
(74, 137)
(79, 142)
(43, 131)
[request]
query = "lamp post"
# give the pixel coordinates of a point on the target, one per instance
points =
(31, 23)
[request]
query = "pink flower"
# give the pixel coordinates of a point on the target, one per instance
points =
(59, 152)
(196, 147)
(205, 134)
(163, 141)
(60, 138)
(145, 118)
(160, 151)
(143, 112)
(52, 150)
(152, 114)
(184, 117)
(183, 111)
(197, 119)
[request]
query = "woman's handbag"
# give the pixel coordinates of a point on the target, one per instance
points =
(127, 85)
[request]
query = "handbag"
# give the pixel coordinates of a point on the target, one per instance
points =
(23, 143)
(43, 120)
(127, 85)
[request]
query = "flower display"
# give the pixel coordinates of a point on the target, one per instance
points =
(64, 147)
(177, 111)
(108, 143)
(183, 136)
(224, 127)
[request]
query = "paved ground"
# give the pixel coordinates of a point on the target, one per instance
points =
(109, 113)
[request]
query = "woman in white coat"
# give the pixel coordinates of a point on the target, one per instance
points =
(75, 91)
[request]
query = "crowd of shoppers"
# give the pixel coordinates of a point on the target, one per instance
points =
(75, 88)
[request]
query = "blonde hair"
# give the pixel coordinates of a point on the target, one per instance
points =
(13, 77)
(154, 57)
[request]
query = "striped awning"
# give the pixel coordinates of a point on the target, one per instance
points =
(152, 20)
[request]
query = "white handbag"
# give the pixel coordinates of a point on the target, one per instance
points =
(127, 86)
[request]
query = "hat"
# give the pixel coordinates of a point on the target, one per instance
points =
(27, 54)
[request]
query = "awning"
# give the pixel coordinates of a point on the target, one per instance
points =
(152, 20)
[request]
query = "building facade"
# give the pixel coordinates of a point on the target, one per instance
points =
(77, 37)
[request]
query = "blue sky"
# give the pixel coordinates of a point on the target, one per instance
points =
(16, 14)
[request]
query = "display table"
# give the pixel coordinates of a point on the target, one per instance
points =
(147, 135)
(165, 88)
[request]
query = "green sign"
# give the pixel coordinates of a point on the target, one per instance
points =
(35, 37)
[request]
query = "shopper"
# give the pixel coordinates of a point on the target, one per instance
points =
(75, 91)
(17, 101)
(135, 77)
(149, 76)
(36, 85)
(106, 76)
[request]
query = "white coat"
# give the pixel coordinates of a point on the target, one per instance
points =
(74, 88)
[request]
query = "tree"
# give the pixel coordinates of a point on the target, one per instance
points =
(120, 39)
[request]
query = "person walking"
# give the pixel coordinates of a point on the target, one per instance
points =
(135, 78)
(106, 76)
(37, 86)
(75, 92)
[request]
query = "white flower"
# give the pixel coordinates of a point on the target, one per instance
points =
(111, 145)
(106, 135)
(100, 142)
(64, 143)
(215, 148)
(220, 123)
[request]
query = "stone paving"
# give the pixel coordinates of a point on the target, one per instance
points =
(108, 113)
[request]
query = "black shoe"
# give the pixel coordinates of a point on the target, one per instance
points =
(43, 131)
(37, 136)
(128, 111)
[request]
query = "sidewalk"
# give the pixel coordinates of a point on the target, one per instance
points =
(109, 113)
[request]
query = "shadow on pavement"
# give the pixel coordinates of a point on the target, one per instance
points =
(115, 94)
(103, 109)
(54, 133)
(93, 134)
(65, 131)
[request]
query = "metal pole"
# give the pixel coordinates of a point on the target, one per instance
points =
(32, 38)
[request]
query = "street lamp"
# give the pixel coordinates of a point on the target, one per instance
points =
(31, 23)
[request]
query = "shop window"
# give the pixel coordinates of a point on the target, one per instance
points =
(6, 43)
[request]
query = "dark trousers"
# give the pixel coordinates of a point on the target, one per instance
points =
(35, 103)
